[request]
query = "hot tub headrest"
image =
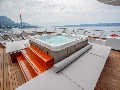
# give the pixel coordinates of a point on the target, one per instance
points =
(65, 62)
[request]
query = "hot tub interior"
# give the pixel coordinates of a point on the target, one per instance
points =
(56, 39)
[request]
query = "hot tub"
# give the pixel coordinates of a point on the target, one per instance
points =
(59, 46)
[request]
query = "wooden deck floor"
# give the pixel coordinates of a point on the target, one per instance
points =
(10, 73)
(110, 76)
(11, 76)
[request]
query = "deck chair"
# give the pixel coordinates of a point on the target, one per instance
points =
(59, 31)
(25, 35)
(35, 33)
(44, 32)
(2, 41)
(80, 31)
(69, 31)
(13, 37)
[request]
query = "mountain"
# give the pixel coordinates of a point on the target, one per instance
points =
(101, 24)
(91, 25)
(8, 23)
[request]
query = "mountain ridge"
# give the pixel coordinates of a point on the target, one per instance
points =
(6, 22)
(90, 25)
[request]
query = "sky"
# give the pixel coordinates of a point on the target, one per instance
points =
(59, 12)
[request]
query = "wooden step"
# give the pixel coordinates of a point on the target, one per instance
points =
(48, 60)
(26, 68)
(34, 60)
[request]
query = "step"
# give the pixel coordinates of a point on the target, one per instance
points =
(26, 68)
(48, 60)
(34, 60)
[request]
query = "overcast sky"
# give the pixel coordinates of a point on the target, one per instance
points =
(59, 12)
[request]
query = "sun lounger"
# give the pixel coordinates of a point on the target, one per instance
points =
(80, 31)
(13, 37)
(35, 33)
(45, 32)
(50, 80)
(60, 31)
(65, 62)
(25, 35)
(3, 41)
(102, 50)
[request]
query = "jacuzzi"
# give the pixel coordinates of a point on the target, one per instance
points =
(59, 46)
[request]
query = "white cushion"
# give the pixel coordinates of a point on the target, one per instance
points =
(50, 80)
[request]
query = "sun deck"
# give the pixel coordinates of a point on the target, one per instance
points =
(11, 76)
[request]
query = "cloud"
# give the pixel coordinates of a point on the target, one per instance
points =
(59, 12)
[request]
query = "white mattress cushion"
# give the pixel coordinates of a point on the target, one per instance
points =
(50, 80)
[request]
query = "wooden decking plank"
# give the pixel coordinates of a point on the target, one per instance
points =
(6, 63)
(12, 74)
(110, 76)
(1, 70)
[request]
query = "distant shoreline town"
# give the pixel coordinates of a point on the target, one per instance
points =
(91, 25)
